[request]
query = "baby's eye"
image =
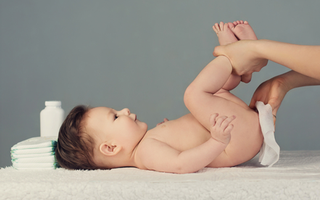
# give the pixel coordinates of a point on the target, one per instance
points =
(115, 117)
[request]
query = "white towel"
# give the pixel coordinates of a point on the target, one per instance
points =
(270, 150)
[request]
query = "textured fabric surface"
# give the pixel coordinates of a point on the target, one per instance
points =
(295, 176)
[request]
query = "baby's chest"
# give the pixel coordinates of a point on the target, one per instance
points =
(182, 134)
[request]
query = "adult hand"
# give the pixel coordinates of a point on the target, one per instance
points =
(244, 58)
(270, 92)
(274, 90)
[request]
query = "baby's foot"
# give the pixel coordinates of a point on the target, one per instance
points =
(242, 30)
(224, 33)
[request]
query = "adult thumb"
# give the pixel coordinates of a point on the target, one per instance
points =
(218, 51)
(246, 78)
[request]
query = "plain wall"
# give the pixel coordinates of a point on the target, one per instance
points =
(141, 55)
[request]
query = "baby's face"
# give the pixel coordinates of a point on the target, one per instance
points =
(105, 124)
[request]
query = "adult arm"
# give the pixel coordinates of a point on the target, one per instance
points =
(274, 90)
(248, 56)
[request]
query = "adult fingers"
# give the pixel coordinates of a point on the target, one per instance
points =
(218, 51)
(252, 104)
(246, 78)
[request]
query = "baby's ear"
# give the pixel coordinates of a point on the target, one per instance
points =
(109, 149)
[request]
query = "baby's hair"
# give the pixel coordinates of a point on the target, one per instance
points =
(75, 147)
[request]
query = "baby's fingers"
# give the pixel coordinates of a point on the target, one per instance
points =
(229, 128)
(220, 120)
(226, 122)
(213, 119)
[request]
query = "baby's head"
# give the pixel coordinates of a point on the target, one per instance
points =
(98, 138)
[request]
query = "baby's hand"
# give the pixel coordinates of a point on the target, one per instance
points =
(221, 128)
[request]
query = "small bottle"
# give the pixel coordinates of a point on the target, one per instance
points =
(51, 118)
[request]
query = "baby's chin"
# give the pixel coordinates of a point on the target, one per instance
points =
(145, 125)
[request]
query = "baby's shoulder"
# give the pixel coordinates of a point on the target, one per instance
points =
(148, 143)
(147, 151)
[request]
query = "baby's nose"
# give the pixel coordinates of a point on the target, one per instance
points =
(126, 111)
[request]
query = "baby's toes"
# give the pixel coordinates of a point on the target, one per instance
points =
(216, 27)
(221, 26)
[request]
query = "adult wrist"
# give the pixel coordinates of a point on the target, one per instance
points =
(258, 46)
(286, 81)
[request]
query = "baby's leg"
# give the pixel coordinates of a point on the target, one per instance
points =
(199, 98)
(240, 30)
(226, 36)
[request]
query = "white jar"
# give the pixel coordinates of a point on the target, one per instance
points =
(51, 118)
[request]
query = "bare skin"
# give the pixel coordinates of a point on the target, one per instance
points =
(232, 32)
(243, 30)
(248, 56)
(274, 90)
(200, 139)
(229, 33)
(225, 33)
(303, 59)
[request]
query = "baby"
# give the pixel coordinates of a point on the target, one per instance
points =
(104, 138)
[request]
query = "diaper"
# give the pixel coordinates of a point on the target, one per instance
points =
(270, 150)
(34, 165)
(43, 159)
(35, 142)
(17, 156)
(34, 153)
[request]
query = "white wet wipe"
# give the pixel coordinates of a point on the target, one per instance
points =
(270, 150)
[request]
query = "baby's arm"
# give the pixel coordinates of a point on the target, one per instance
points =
(158, 156)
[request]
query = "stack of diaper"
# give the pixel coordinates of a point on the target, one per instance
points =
(34, 153)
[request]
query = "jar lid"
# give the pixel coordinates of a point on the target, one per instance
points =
(52, 103)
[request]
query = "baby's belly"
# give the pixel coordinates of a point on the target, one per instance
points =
(186, 133)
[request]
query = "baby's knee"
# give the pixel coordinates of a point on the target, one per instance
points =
(232, 82)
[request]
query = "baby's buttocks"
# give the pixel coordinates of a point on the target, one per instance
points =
(246, 136)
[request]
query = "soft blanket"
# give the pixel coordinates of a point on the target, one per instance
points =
(295, 176)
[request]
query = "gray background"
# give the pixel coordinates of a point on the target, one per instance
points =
(141, 55)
